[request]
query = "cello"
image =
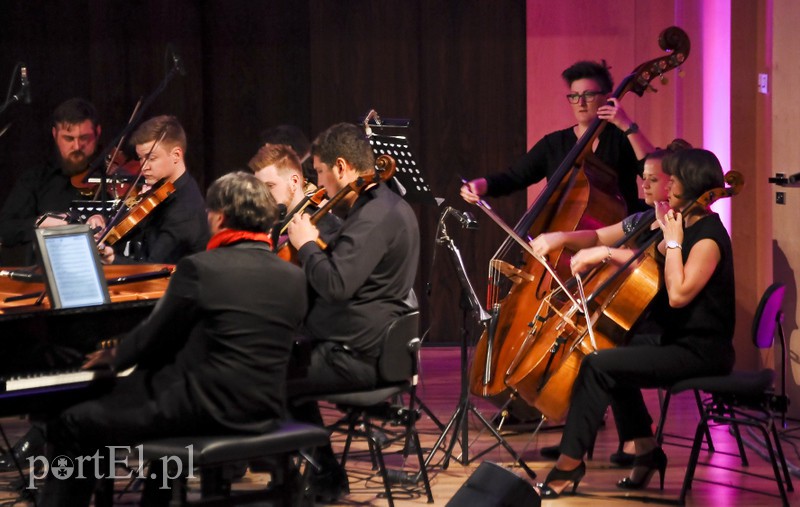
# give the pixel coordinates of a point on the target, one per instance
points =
(619, 296)
(582, 194)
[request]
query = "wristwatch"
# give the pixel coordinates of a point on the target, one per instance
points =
(634, 128)
(674, 244)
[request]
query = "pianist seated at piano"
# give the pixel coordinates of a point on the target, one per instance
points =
(221, 332)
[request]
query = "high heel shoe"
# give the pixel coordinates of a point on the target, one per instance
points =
(652, 461)
(574, 476)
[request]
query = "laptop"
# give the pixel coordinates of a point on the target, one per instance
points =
(70, 262)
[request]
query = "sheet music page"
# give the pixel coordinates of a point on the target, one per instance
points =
(76, 278)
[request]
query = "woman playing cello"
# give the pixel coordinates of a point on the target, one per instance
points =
(598, 247)
(695, 308)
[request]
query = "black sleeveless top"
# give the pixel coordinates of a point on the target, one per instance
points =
(706, 324)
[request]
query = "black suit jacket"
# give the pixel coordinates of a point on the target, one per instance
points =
(219, 339)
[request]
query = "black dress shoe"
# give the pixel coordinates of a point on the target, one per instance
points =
(622, 459)
(32, 444)
(572, 477)
(644, 467)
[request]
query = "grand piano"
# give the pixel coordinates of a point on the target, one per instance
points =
(42, 349)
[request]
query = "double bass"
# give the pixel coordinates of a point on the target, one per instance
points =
(581, 194)
(617, 298)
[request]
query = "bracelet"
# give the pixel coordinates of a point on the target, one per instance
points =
(608, 257)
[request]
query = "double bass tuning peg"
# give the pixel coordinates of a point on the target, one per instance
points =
(663, 79)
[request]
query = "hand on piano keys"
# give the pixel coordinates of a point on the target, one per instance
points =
(100, 359)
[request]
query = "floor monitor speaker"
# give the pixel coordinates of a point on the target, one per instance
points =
(494, 486)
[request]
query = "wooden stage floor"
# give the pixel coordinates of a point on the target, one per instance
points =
(439, 390)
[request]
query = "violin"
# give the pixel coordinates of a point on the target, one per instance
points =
(384, 169)
(146, 203)
(284, 249)
(119, 165)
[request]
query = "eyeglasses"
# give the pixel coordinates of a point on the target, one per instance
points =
(575, 98)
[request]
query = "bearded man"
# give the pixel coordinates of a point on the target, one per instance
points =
(48, 188)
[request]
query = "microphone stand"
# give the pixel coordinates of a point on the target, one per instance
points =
(99, 161)
(459, 421)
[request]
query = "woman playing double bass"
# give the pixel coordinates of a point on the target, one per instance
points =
(621, 148)
(695, 309)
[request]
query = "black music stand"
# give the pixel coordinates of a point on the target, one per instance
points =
(408, 180)
(459, 421)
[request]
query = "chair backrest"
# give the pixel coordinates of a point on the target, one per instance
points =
(397, 361)
(767, 316)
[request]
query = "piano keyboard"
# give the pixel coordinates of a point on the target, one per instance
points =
(50, 379)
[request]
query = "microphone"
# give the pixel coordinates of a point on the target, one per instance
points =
(26, 86)
(22, 276)
(465, 218)
(177, 64)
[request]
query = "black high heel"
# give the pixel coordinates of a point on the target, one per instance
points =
(652, 461)
(574, 476)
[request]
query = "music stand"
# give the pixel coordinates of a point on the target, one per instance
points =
(459, 421)
(407, 181)
(408, 174)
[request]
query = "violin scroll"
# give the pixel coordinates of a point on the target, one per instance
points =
(385, 166)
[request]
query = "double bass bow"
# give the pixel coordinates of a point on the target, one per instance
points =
(580, 195)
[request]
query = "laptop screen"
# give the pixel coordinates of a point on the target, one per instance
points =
(71, 265)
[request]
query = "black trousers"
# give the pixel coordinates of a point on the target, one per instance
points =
(325, 368)
(615, 376)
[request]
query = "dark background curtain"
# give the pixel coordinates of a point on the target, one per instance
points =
(455, 68)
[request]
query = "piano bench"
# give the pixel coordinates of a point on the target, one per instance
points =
(210, 454)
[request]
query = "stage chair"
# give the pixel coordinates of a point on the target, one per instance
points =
(746, 398)
(211, 454)
(365, 409)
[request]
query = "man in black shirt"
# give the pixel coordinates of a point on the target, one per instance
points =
(176, 227)
(359, 284)
(48, 189)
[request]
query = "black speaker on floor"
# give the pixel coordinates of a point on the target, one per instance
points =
(493, 486)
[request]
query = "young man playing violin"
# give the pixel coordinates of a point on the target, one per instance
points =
(176, 227)
(278, 166)
(359, 284)
(48, 188)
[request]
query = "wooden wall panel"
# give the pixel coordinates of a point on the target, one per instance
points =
(784, 77)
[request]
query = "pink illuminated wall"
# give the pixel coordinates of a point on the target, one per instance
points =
(716, 44)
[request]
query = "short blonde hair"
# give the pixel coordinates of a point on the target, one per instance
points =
(280, 155)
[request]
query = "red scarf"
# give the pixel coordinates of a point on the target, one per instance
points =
(231, 236)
